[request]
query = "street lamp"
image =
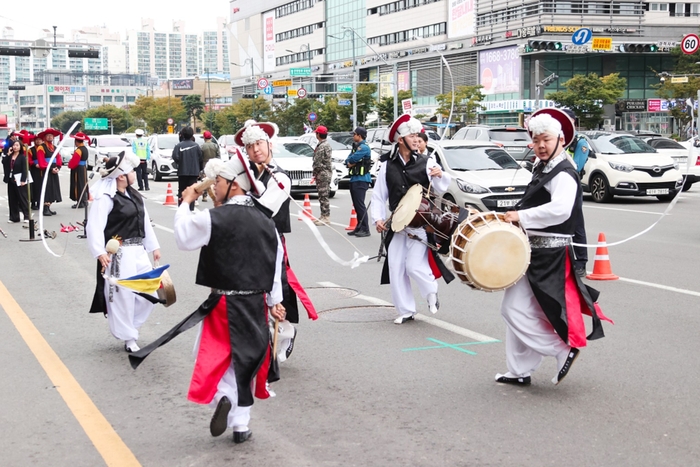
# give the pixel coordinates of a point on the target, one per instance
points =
(306, 47)
(354, 71)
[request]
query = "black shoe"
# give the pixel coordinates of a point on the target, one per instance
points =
(47, 211)
(74, 206)
(53, 213)
(219, 421)
(148, 189)
(522, 381)
(362, 233)
(140, 188)
(570, 359)
(352, 232)
(35, 207)
(241, 436)
(291, 344)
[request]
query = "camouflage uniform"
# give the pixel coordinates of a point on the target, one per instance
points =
(323, 171)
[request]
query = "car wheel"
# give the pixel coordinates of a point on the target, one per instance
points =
(599, 189)
(331, 194)
(666, 198)
(156, 175)
(686, 185)
(447, 198)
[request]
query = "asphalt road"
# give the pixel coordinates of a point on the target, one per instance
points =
(358, 390)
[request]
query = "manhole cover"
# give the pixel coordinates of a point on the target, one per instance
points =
(360, 314)
(331, 293)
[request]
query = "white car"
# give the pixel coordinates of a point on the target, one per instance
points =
(484, 176)
(102, 146)
(690, 168)
(296, 158)
(162, 154)
(624, 165)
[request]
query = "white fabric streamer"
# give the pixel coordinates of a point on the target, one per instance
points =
(356, 258)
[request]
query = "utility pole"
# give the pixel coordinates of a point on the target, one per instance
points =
(354, 80)
(311, 78)
(537, 84)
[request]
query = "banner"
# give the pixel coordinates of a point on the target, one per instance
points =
(499, 70)
(182, 84)
(269, 42)
(462, 18)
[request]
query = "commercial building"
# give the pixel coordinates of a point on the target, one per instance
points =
(507, 46)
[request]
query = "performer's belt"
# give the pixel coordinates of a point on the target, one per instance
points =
(82, 163)
(237, 292)
(537, 241)
(135, 241)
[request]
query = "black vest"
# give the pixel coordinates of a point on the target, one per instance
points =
(537, 195)
(127, 216)
(400, 177)
(241, 252)
(83, 153)
(281, 219)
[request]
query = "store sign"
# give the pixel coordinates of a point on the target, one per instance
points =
(182, 84)
(461, 20)
(485, 39)
(514, 105)
(530, 31)
(67, 89)
(632, 105)
(601, 43)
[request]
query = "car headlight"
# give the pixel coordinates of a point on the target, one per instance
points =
(621, 167)
(471, 188)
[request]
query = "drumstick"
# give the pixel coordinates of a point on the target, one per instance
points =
(274, 339)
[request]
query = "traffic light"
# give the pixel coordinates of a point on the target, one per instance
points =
(279, 96)
(639, 48)
(83, 53)
(17, 51)
(533, 46)
(313, 96)
(249, 96)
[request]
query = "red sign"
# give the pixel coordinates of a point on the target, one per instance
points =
(269, 29)
(654, 105)
(690, 44)
(301, 92)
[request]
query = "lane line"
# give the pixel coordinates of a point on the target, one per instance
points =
(426, 319)
(624, 210)
(100, 432)
(162, 227)
(663, 287)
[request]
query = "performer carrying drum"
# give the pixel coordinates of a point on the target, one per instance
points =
(543, 310)
(407, 256)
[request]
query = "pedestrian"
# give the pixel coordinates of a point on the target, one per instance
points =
(359, 163)
(543, 310)
(35, 171)
(423, 143)
(407, 252)
(322, 173)
(11, 138)
(140, 147)
(43, 155)
(119, 212)
(78, 171)
(240, 262)
(15, 172)
(210, 150)
(579, 149)
(256, 138)
(188, 156)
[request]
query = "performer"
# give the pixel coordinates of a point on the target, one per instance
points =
(543, 310)
(78, 171)
(35, 171)
(241, 261)
(15, 175)
(43, 154)
(407, 256)
(119, 211)
(256, 138)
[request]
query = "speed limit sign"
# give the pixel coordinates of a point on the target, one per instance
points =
(690, 44)
(170, 121)
(263, 83)
(301, 92)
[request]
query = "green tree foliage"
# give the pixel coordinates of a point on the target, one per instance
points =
(587, 94)
(678, 93)
(385, 107)
(231, 119)
(292, 117)
(155, 112)
(65, 120)
(119, 119)
(194, 107)
(467, 102)
(333, 116)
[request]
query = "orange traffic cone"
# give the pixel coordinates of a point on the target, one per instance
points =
(307, 208)
(169, 198)
(602, 271)
(353, 220)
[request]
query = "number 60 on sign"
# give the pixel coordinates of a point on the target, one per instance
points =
(690, 44)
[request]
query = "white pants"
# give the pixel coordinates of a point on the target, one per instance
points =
(408, 259)
(529, 334)
(238, 417)
(127, 311)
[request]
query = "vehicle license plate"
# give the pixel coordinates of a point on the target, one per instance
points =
(306, 182)
(516, 148)
(658, 191)
(506, 203)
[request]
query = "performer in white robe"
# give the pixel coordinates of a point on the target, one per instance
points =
(407, 258)
(543, 310)
(119, 212)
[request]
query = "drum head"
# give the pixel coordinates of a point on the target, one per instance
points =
(406, 210)
(497, 257)
(167, 289)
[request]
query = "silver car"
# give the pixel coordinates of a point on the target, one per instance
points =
(513, 139)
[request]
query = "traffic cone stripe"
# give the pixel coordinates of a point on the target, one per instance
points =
(602, 258)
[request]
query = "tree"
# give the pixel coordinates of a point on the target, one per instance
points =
(194, 107)
(678, 93)
(385, 107)
(587, 94)
(155, 112)
(467, 102)
(231, 119)
(65, 120)
(118, 119)
(291, 117)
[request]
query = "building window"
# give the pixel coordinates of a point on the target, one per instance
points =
(95, 98)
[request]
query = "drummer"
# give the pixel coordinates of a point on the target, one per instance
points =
(544, 310)
(406, 250)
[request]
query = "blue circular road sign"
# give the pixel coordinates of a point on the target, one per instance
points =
(312, 117)
(268, 90)
(581, 36)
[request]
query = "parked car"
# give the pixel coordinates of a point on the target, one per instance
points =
(228, 146)
(689, 168)
(340, 151)
(513, 139)
(102, 146)
(624, 165)
(162, 154)
(296, 158)
(484, 176)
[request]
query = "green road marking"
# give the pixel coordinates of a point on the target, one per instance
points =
(445, 345)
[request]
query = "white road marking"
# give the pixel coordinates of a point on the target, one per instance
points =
(624, 210)
(663, 287)
(161, 227)
(426, 319)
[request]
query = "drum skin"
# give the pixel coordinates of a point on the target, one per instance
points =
(406, 210)
(488, 253)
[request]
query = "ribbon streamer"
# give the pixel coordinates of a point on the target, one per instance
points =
(356, 258)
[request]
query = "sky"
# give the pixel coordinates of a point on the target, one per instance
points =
(116, 16)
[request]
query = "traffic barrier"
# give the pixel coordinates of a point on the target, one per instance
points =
(169, 198)
(602, 271)
(353, 220)
(307, 208)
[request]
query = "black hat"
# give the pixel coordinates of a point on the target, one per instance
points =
(360, 131)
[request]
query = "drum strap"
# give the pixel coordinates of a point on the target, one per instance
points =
(538, 183)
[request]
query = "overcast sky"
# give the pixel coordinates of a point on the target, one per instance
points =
(117, 16)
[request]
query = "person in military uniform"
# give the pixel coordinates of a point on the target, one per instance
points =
(322, 172)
